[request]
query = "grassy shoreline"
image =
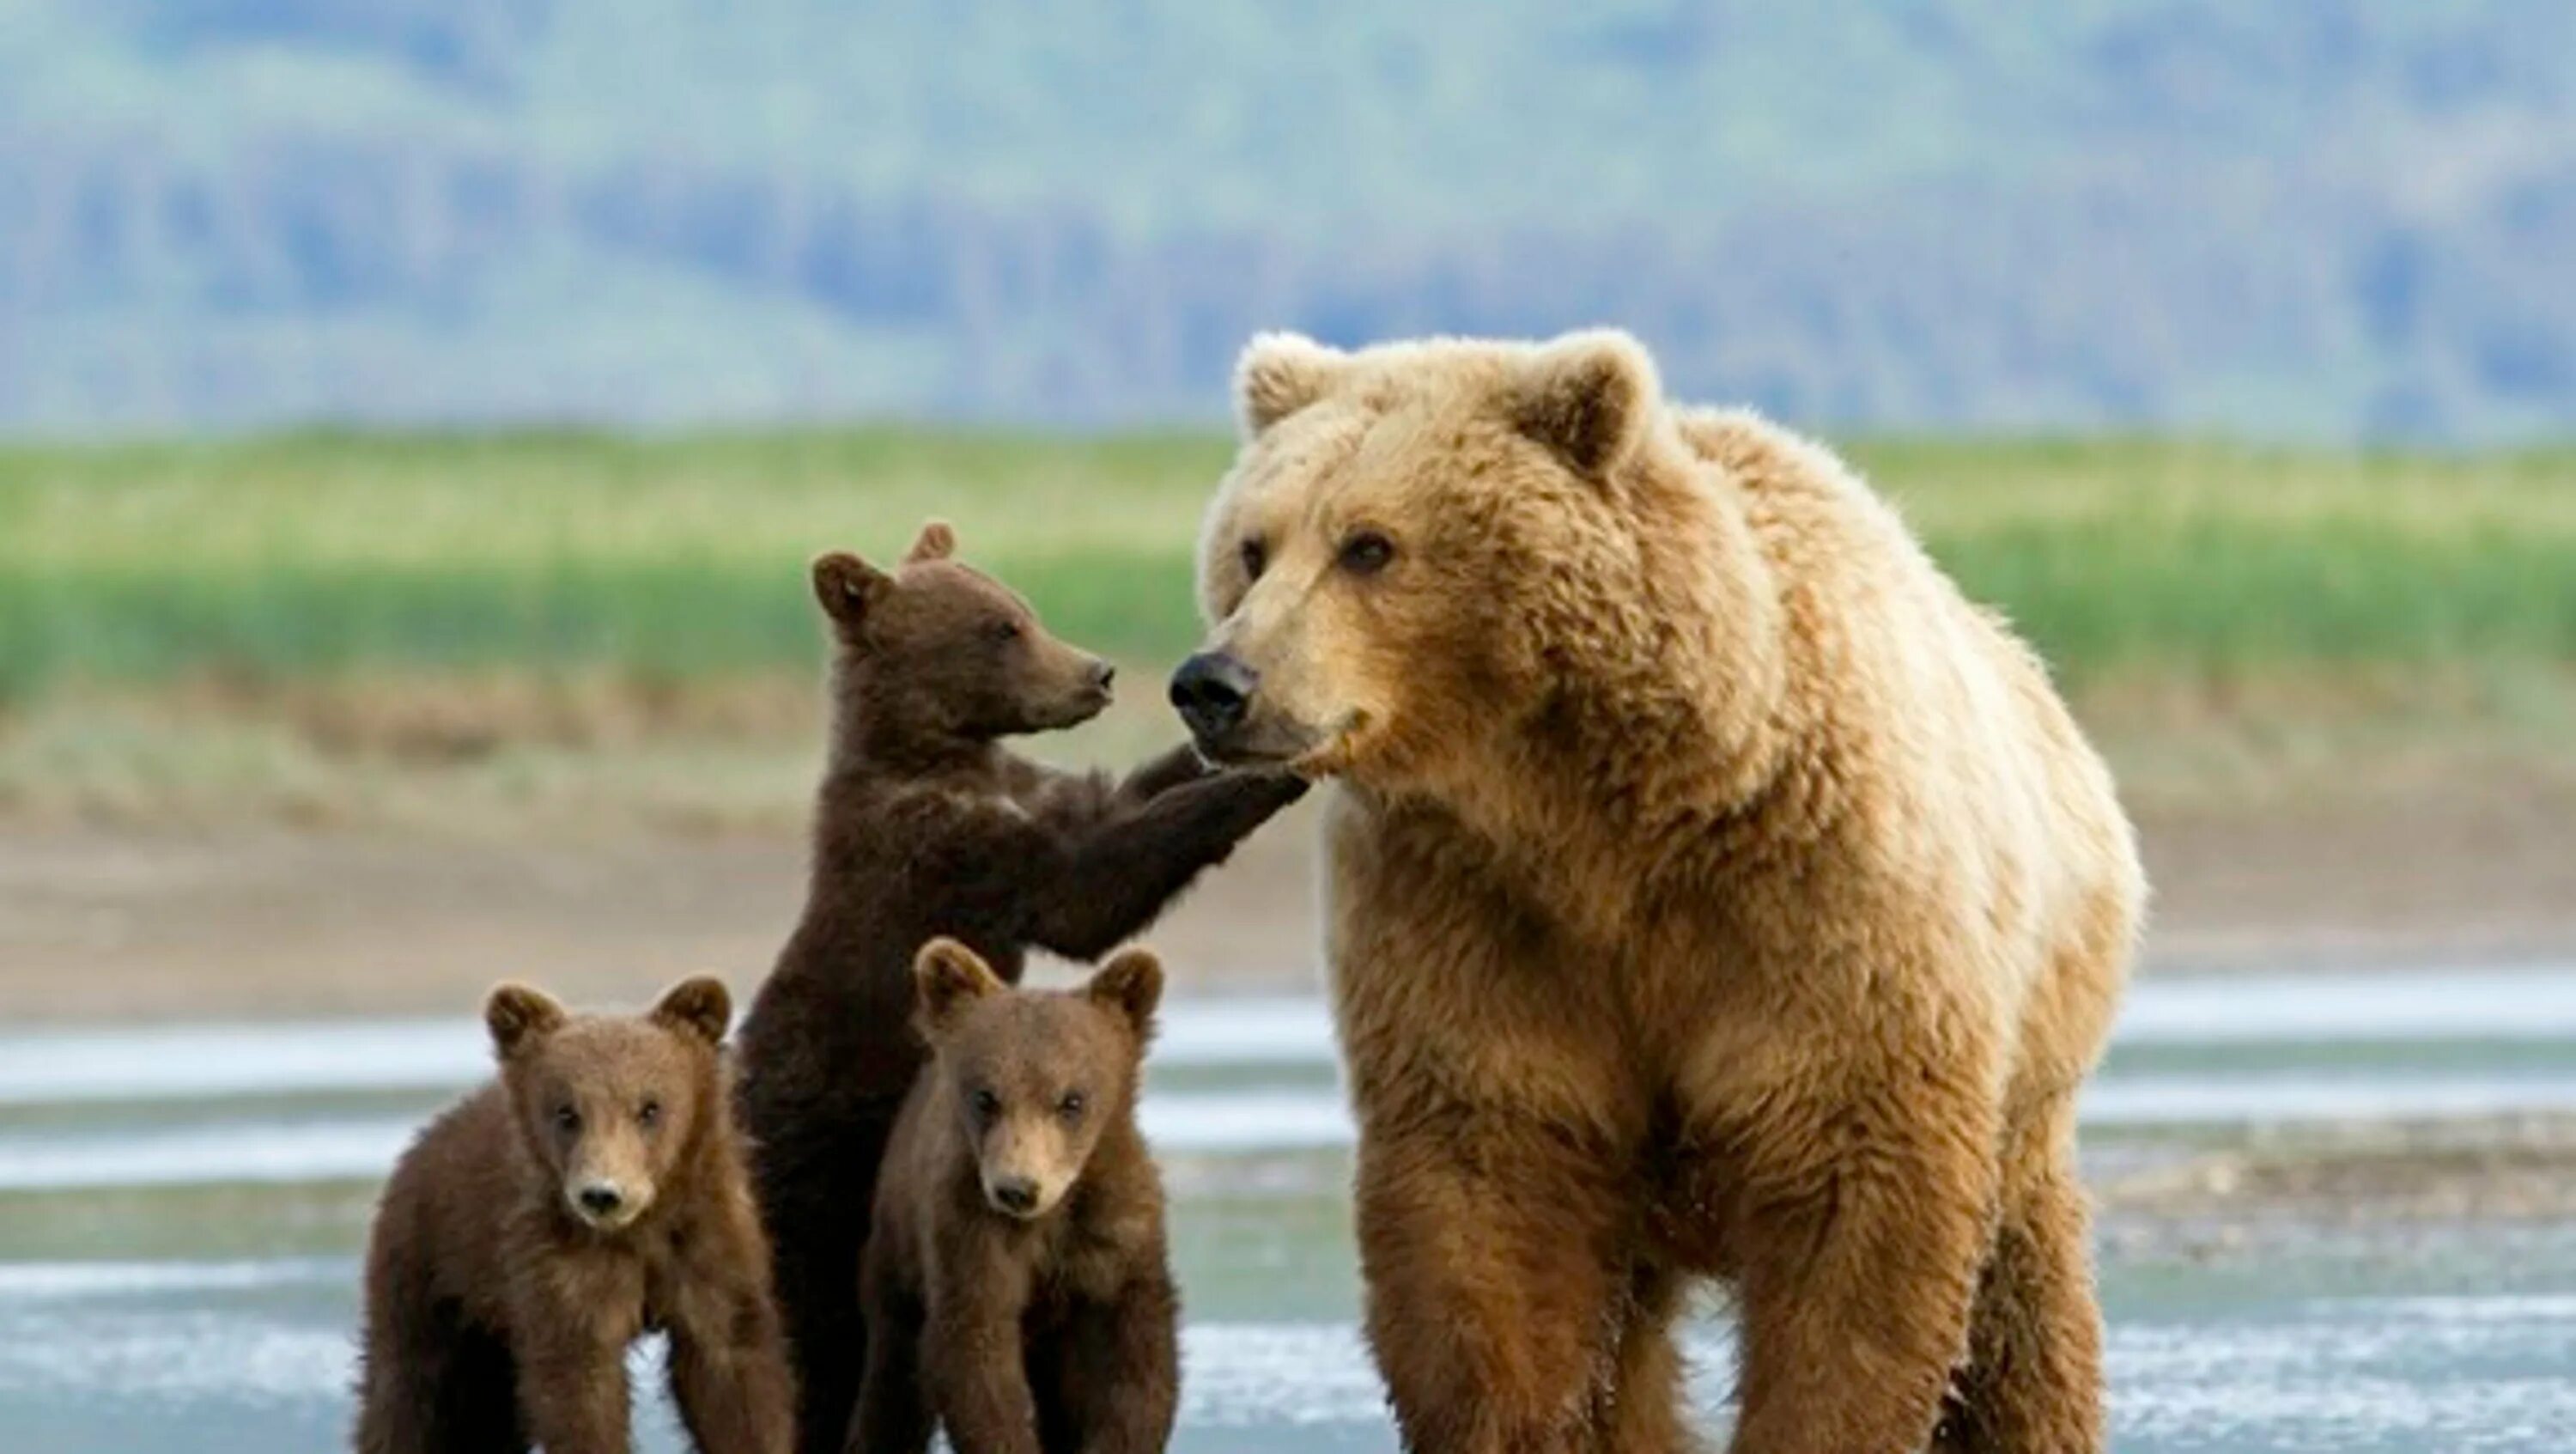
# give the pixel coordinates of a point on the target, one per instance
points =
(262, 608)
(284, 558)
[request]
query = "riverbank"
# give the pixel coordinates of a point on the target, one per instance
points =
(222, 921)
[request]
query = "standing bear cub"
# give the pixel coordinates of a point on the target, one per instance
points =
(592, 1193)
(1017, 1286)
(927, 826)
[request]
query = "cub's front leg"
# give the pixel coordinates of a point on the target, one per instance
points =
(1117, 1371)
(892, 1417)
(1112, 878)
(573, 1391)
(974, 1357)
(728, 1357)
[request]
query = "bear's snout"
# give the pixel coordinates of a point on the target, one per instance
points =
(1213, 693)
(605, 1203)
(1017, 1195)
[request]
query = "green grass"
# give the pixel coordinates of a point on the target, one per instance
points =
(276, 562)
(2202, 563)
(296, 559)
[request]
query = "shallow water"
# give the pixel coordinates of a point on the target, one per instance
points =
(180, 1212)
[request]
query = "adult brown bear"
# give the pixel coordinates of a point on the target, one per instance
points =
(1712, 891)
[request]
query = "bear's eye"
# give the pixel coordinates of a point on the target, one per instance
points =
(1002, 632)
(987, 1106)
(1255, 555)
(1366, 553)
(1070, 1105)
(649, 1114)
(567, 1120)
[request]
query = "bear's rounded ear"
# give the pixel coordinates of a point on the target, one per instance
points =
(699, 1005)
(937, 541)
(848, 587)
(1131, 983)
(520, 1017)
(1279, 374)
(948, 977)
(1587, 396)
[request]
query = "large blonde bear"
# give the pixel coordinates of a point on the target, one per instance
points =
(1713, 892)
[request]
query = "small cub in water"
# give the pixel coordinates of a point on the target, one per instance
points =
(1017, 1285)
(590, 1193)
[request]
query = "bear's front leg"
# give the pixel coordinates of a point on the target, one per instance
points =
(1117, 1370)
(729, 1368)
(1156, 776)
(974, 1365)
(891, 1417)
(1498, 1279)
(1115, 876)
(2033, 1384)
(1859, 1267)
(572, 1390)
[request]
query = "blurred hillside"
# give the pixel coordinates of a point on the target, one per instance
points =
(2305, 220)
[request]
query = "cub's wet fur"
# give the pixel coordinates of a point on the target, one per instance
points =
(925, 826)
(1017, 1283)
(592, 1192)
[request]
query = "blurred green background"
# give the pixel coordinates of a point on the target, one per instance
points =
(421, 412)
(660, 564)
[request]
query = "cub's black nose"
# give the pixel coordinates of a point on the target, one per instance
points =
(1015, 1194)
(599, 1200)
(1213, 691)
(1102, 674)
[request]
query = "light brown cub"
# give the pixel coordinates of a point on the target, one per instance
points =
(592, 1192)
(1017, 1285)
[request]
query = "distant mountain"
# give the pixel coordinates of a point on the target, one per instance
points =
(2303, 219)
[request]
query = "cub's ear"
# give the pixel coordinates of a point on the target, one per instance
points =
(699, 1005)
(1131, 983)
(520, 1018)
(848, 587)
(1587, 396)
(937, 541)
(947, 979)
(1279, 374)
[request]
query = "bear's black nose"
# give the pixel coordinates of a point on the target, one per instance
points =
(1102, 674)
(1015, 1194)
(1213, 691)
(599, 1200)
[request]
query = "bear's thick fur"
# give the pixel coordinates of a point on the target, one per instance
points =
(593, 1192)
(928, 826)
(1017, 1286)
(1713, 891)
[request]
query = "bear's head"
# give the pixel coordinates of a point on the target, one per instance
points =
(612, 1108)
(937, 648)
(1033, 1077)
(1421, 544)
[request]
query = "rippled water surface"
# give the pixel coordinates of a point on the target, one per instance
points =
(180, 1212)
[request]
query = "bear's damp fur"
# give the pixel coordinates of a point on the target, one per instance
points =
(1017, 1286)
(592, 1192)
(927, 826)
(1712, 892)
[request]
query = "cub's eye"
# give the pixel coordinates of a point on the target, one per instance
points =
(1070, 1107)
(649, 1114)
(1003, 631)
(567, 1120)
(987, 1105)
(1255, 556)
(1366, 553)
